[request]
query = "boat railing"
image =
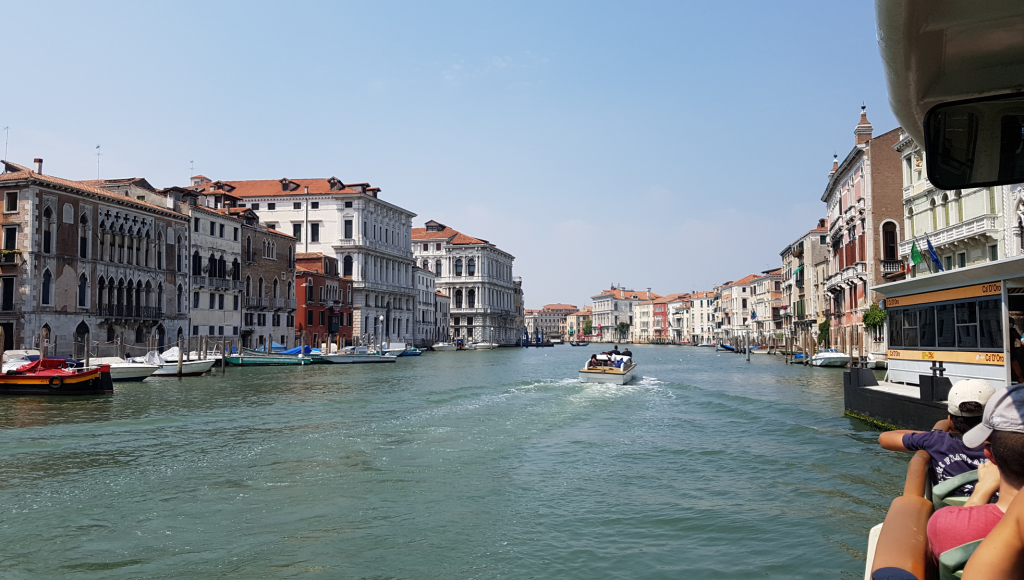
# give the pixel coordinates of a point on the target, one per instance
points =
(902, 541)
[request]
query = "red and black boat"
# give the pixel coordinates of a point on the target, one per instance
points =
(55, 376)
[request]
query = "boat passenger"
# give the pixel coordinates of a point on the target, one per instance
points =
(1001, 555)
(615, 350)
(1016, 354)
(593, 362)
(627, 352)
(950, 457)
(1002, 433)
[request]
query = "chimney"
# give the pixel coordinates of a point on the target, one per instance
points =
(862, 133)
(39, 165)
(835, 165)
(648, 293)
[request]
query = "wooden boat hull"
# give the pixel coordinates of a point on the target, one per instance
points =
(94, 382)
(189, 368)
(608, 375)
(354, 359)
(571, 343)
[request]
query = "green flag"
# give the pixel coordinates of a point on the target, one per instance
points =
(915, 255)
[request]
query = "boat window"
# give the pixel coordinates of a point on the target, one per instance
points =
(945, 326)
(909, 328)
(966, 325)
(990, 328)
(926, 327)
(896, 328)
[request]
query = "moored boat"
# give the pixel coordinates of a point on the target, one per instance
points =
(607, 373)
(483, 346)
(53, 376)
(830, 357)
(122, 370)
(578, 343)
(168, 363)
(443, 347)
(359, 355)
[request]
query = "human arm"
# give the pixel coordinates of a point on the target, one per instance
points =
(1001, 555)
(893, 440)
(987, 486)
(943, 425)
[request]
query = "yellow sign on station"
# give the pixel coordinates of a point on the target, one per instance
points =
(991, 289)
(977, 358)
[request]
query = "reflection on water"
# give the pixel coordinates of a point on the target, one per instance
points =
(449, 465)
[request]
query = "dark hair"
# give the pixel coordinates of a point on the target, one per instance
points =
(1008, 452)
(964, 424)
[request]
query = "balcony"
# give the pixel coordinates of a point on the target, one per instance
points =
(129, 312)
(847, 277)
(198, 281)
(890, 267)
(981, 227)
(220, 283)
(10, 258)
(279, 303)
(255, 302)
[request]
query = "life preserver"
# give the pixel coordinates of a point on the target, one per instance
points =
(56, 382)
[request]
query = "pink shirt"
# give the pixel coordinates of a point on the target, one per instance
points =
(954, 526)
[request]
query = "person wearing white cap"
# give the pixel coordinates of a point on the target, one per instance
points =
(950, 456)
(1001, 433)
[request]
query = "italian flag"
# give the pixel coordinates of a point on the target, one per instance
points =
(915, 257)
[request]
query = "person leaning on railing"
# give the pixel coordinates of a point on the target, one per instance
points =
(950, 457)
(1002, 433)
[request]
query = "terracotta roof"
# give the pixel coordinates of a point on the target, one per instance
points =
(273, 187)
(137, 181)
(559, 306)
(743, 281)
(20, 172)
(452, 236)
(439, 293)
(301, 268)
(621, 294)
(308, 255)
(672, 297)
(582, 313)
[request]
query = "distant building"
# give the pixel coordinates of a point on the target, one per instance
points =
(735, 303)
(552, 319)
(766, 313)
(477, 275)
(575, 322)
(802, 301)
(324, 313)
(268, 281)
(613, 306)
(442, 314)
(426, 311)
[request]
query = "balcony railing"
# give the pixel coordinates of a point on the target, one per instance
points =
(198, 281)
(10, 257)
(980, 226)
(279, 303)
(220, 283)
(123, 311)
(255, 302)
(891, 267)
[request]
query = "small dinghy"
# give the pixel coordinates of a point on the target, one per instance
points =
(122, 371)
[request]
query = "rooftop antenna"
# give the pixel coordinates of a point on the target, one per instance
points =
(98, 162)
(7, 138)
(191, 169)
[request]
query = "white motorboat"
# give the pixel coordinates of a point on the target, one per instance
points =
(608, 372)
(122, 370)
(483, 346)
(556, 341)
(877, 361)
(359, 355)
(830, 357)
(168, 362)
(444, 347)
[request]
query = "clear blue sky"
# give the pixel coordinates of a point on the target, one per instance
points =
(666, 145)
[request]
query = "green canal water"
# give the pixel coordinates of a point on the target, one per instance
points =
(495, 464)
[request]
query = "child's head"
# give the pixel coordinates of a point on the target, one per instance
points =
(966, 403)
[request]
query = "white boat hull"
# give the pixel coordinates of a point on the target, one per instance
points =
(352, 359)
(123, 371)
(483, 346)
(189, 368)
(444, 347)
(609, 376)
(830, 361)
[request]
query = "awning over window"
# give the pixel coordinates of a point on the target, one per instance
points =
(798, 268)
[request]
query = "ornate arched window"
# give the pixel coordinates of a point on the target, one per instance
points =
(45, 298)
(437, 268)
(346, 269)
(889, 242)
(472, 267)
(83, 291)
(458, 267)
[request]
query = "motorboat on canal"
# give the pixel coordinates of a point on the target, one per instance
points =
(123, 371)
(402, 349)
(483, 346)
(830, 357)
(168, 363)
(54, 376)
(444, 347)
(358, 355)
(607, 372)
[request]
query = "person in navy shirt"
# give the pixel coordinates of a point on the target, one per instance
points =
(950, 457)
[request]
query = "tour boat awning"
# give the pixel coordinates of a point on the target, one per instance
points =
(980, 274)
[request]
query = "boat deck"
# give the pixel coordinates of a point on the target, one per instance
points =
(911, 391)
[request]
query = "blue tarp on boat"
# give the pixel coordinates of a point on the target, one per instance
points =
(298, 350)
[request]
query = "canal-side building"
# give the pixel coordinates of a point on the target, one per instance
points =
(324, 306)
(965, 227)
(613, 306)
(478, 277)
(666, 330)
(575, 322)
(268, 282)
(699, 325)
(802, 308)
(369, 236)
(442, 309)
(642, 328)
(426, 310)
(735, 301)
(864, 196)
(81, 260)
(766, 312)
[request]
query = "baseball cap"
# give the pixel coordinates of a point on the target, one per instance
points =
(1004, 411)
(975, 392)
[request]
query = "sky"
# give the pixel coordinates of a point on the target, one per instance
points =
(669, 145)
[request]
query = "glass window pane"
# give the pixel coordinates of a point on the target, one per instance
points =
(909, 318)
(966, 313)
(926, 327)
(945, 326)
(895, 328)
(966, 335)
(990, 328)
